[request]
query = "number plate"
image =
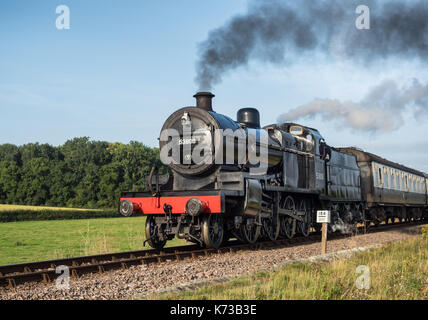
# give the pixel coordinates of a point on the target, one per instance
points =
(323, 216)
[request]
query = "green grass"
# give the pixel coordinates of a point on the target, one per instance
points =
(13, 213)
(43, 240)
(398, 271)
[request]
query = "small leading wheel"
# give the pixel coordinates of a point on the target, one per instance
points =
(287, 222)
(305, 225)
(250, 232)
(152, 235)
(213, 230)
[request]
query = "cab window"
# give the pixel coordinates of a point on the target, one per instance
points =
(296, 130)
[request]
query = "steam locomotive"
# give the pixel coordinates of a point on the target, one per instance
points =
(225, 195)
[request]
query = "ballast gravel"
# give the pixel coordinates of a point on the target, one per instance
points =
(146, 280)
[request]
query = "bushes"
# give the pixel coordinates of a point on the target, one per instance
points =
(34, 215)
(79, 174)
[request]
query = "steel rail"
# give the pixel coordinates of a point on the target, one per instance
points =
(45, 271)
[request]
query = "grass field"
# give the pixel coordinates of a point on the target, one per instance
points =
(9, 207)
(397, 271)
(41, 240)
(18, 213)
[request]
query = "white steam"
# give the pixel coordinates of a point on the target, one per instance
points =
(382, 109)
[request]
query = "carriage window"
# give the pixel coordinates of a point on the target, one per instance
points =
(385, 178)
(406, 183)
(392, 179)
(397, 180)
(380, 180)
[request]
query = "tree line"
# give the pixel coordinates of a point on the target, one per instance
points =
(79, 173)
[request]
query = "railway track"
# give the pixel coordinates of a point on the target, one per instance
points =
(45, 271)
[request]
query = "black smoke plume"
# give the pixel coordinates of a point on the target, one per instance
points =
(281, 31)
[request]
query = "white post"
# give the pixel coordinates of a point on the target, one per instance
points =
(323, 217)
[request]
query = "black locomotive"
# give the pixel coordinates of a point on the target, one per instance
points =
(215, 191)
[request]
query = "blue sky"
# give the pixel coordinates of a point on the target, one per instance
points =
(124, 66)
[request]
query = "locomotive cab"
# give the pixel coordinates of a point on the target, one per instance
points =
(309, 137)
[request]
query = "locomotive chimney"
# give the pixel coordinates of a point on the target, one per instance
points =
(204, 100)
